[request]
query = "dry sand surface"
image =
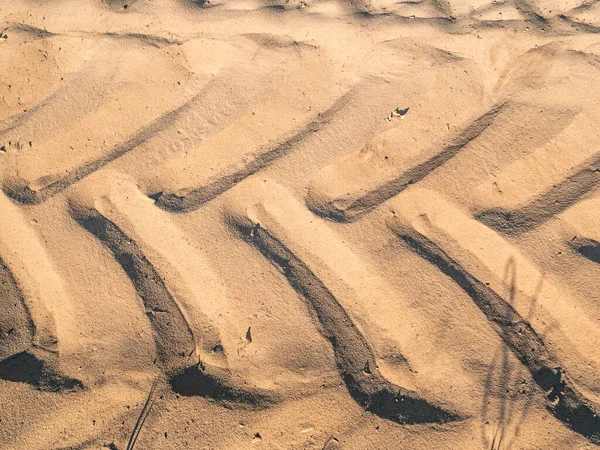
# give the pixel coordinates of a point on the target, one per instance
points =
(299, 224)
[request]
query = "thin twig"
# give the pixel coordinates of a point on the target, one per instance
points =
(328, 441)
(143, 416)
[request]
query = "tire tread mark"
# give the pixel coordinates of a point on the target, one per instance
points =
(21, 192)
(547, 205)
(173, 336)
(21, 360)
(16, 325)
(354, 357)
(564, 400)
(196, 197)
(348, 211)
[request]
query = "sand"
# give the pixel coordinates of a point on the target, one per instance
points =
(287, 224)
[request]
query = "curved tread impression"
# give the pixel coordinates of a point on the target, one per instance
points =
(177, 352)
(355, 359)
(564, 400)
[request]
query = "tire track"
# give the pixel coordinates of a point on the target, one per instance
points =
(486, 253)
(370, 94)
(544, 183)
(404, 154)
(266, 132)
(16, 325)
(65, 131)
(563, 398)
(354, 357)
(348, 208)
(539, 209)
(188, 277)
(192, 122)
(177, 349)
(563, 169)
(21, 359)
(396, 333)
(31, 295)
(195, 198)
(360, 99)
(21, 191)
